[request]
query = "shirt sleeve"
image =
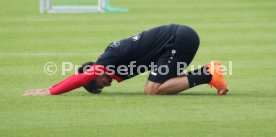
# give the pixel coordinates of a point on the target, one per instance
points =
(77, 80)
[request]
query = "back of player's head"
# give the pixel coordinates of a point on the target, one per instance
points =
(89, 87)
(85, 66)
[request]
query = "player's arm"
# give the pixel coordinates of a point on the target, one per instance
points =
(37, 92)
(70, 83)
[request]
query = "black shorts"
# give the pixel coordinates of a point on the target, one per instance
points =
(177, 55)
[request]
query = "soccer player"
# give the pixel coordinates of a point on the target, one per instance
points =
(170, 48)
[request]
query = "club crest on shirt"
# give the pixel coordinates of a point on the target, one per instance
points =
(115, 44)
(136, 37)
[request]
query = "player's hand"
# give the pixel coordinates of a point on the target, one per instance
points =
(37, 92)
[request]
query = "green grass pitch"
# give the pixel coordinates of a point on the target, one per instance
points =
(242, 31)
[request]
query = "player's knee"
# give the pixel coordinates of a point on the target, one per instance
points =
(152, 88)
(148, 91)
(151, 91)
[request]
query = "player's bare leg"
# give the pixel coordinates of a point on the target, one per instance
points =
(214, 77)
(171, 86)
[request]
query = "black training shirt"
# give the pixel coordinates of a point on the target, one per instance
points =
(140, 49)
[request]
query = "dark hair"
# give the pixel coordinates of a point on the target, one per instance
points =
(89, 87)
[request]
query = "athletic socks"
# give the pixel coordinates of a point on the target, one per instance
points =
(199, 76)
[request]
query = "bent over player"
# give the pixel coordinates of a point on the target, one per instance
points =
(170, 47)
